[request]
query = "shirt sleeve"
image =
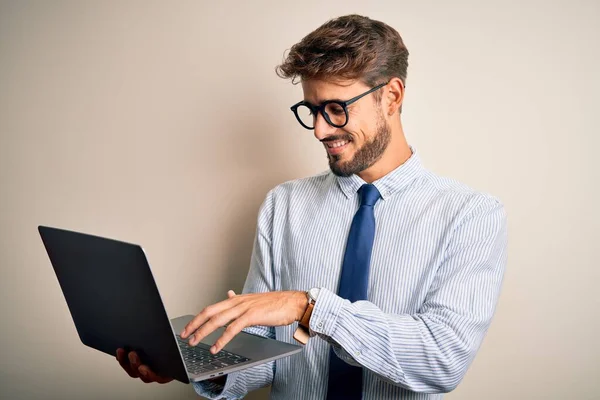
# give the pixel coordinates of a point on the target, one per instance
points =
(431, 350)
(260, 279)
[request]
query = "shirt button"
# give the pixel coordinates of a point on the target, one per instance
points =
(320, 324)
(357, 353)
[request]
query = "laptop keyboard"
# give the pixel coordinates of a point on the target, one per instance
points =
(199, 359)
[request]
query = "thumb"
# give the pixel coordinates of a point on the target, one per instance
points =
(231, 294)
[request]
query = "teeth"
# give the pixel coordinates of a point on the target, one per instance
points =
(337, 144)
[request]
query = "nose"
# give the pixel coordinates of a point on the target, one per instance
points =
(322, 128)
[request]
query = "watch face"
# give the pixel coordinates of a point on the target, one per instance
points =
(313, 293)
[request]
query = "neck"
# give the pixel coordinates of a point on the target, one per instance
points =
(396, 154)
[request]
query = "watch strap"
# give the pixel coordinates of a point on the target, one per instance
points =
(305, 320)
(302, 333)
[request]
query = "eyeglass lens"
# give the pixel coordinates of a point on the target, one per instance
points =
(335, 115)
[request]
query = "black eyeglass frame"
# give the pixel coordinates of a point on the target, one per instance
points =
(321, 108)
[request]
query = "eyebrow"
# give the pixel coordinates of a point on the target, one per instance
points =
(324, 101)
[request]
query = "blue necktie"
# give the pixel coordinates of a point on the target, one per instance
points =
(345, 380)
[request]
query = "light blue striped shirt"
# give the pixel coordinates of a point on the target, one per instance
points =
(436, 271)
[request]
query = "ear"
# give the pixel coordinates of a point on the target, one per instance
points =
(394, 94)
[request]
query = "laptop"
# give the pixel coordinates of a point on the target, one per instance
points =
(115, 303)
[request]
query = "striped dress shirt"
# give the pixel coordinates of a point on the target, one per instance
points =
(436, 271)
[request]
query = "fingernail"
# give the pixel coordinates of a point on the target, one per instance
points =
(213, 349)
(143, 371)
(182, 333)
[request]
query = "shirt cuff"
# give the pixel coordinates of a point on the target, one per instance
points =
(233, 389)
(326, 312)
(324, 322)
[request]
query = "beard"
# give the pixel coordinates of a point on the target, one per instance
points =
(366, 155)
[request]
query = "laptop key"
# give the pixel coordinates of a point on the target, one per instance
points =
(223, 362)
(219, 364)
(200, 355)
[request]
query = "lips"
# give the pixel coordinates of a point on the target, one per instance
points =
(336, 147)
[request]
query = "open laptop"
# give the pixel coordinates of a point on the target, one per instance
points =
(115, 303)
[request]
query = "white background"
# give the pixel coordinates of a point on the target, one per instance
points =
(164, 124)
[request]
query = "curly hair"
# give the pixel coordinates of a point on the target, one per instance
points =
(350, 47)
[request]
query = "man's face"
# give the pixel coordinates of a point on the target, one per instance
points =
(363, 140)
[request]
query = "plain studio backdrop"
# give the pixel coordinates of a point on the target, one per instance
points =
(164, 124)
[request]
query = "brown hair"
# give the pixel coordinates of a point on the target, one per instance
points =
(349, 47)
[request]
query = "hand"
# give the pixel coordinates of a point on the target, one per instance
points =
(132, 365)
(241, 311)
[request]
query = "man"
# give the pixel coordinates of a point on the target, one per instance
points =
(404, 267)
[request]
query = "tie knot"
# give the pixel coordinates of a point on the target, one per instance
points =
(368, 195)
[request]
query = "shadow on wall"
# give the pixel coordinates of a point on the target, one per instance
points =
(260, 150)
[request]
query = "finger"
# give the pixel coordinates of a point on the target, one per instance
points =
(147, 374)
(216, 322)
(233, 329)
(144, 373)
(144, 378)
(124, 362)
(230, 294)
(200, 319)
(134, 363)
(122, 358)
(207, 314)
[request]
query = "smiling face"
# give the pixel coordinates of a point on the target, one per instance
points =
(362, 142)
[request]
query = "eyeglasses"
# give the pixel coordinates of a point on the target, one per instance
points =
(335, 112)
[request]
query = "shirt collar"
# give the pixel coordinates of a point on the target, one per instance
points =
(388, 184)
